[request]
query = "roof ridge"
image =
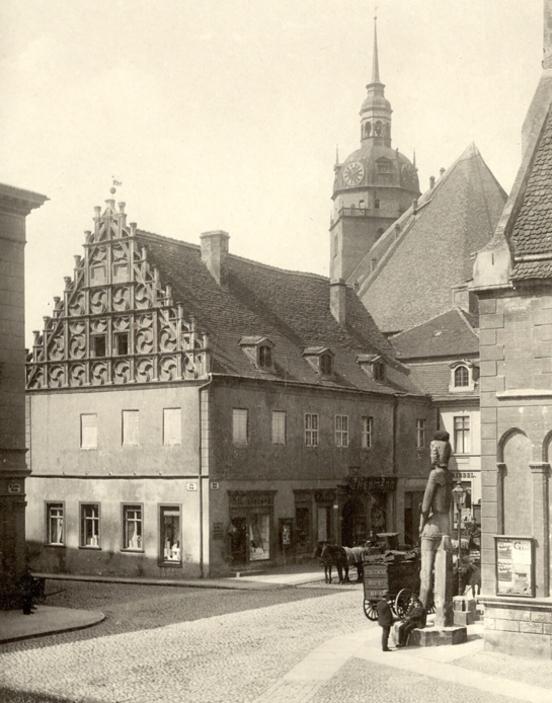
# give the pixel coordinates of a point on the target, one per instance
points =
(260, 264)
(463, 315)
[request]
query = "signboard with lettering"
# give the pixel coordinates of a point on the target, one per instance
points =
(14, 487)
(515, 566)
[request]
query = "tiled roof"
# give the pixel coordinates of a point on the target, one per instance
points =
(431, 250)
(449, 334)
(531, 233)
(290, 308)
(434, 379)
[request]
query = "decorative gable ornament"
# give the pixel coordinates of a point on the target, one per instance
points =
(463, 376)
(116, 322)
(373, 365)
(320, 359)
(259, 351)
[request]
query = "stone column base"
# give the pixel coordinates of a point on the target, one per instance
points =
(435, 636)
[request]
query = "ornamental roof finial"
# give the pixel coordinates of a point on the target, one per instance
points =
(375, 59)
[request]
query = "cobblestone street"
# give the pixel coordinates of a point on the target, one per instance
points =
(167, 644)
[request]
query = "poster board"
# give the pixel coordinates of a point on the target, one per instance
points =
(515, 566)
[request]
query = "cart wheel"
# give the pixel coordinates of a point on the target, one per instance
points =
(370, 610)
(401, 602)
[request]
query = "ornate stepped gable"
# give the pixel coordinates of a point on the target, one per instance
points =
(116, 323)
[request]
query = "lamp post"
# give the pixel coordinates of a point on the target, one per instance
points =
(459, 495)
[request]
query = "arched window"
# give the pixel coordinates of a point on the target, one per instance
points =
(378, 129)
(461, 377)
(367, 129)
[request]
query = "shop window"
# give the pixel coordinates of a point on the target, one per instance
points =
(121, 343)
(462, 434)
(259, 536)
(420, 433)
(172, 426)
(239, 425)
(88, 431)
(54, 523)
(132, 527)
(278, 427)
(311, 429)
(170, 535)
(341, 430)
(130, 429)
(90, 525)
(367, 432)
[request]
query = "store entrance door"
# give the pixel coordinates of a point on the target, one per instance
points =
(353, 523)
(238, 540)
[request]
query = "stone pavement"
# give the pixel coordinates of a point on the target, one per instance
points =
(514, 678)
(45, 620)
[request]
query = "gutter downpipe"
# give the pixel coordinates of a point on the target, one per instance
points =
(200, 492)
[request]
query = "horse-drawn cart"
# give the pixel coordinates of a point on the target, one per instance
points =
(394, 572)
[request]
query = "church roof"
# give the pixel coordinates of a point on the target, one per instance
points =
(450, 334)
(289, 307)
(531, 233)
(430, 248)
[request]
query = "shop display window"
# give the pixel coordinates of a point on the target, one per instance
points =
(259, 536)
(170, 535)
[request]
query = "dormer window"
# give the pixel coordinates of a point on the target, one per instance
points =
(373, 365)
(259, 351)
(321, 359)
(462, 377)
(265, 356)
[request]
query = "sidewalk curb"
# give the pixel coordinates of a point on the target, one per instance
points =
(94, 618)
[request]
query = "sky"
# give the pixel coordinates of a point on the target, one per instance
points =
(226, 114)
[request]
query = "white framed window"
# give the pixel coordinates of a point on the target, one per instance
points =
(90, 525)
(172, 426)
(367, 432)
(240, 418)
(420, 433)
(88, 431)
(461, 434)
(55, 527)
(130, 428)
(278, 427)
(341, 430)
(463, 375)
(170, 534)
(311, 429)
(132, 528)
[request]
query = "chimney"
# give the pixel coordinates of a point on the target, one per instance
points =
(432, 182)
(214, 248)
(442, 171)
(338, 300)
(547, 35)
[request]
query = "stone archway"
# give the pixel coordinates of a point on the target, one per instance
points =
(353, 522)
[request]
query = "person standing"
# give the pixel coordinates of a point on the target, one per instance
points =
(385, 620)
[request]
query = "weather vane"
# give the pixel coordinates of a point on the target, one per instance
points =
(114, 185)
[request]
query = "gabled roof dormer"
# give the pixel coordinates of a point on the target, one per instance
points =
(463, 375)
(259, 351)
(321, 359)
(373, 365)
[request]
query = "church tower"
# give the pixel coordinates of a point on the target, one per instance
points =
(373, 186)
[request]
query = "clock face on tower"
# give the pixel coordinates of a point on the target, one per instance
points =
(353, 173)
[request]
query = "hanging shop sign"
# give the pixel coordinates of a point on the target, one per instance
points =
(515, 566)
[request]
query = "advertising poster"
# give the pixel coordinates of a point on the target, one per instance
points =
(514, 566)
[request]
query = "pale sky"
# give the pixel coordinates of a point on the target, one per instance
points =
(225, 114)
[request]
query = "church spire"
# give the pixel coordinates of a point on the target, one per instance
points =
(375, 59)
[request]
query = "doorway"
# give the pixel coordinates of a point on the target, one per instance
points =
(353, 523)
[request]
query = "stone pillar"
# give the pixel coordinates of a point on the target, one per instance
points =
(541, 522)
(443, 590)
(500, 476)
(15, 205)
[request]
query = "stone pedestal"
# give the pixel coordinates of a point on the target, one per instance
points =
(443, 584)
(435, 636)
(464, 610)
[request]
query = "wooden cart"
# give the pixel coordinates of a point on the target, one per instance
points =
(397, 574)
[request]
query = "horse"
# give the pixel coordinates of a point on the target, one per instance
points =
(341, 557)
